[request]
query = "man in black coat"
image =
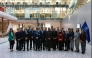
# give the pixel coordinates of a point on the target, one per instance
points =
(49, 39)
(17, 41)
(32, 37)
(37, 36)
(54, 35)
(29, 37)
(43, 37)
(26, 39)
(21, 37)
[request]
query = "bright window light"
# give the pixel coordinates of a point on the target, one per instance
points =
(47, 25)
(88, 0)
(78, 26)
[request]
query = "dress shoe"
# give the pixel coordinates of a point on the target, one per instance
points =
(23, 50)
(28, 50)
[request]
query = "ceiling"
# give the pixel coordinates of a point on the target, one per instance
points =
(61, 11)
(80, 3)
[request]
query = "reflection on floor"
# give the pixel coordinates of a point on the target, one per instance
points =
(5, 53)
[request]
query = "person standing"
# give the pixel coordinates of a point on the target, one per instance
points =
(54, 35)
(40, 36)
(43, 39)
(69, 29)
(83, 41)
(60, 39)
(71, 39)
(77, 39)
(57, 38)
(32, 37)
(17, 37)
(29, 37)
(11, 39)
(21, 38)
(37, 39)
(26, 39)
(49, 39)
(67, 40)
(46, 38)
(63, 42)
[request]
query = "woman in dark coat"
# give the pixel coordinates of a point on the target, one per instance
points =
(83, 41)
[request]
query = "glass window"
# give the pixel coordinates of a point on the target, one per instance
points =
(8, 10)
(27, 13)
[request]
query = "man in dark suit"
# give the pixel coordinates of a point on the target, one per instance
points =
(17, 41)
(54, 35)
(29, 37)
(49, 39)
(37, 36)
(43, 37)
(57, 44)
(26, 39)
(32, 37)
(21, 37)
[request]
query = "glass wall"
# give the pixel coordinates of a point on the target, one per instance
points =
(28, 9)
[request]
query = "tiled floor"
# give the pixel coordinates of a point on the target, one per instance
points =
(3, 39)
(5, 53)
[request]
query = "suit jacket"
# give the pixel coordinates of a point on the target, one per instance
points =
(49, 34)
(54, 34)
(21, 34)
(37, 34)
(29, 33)
(32, 33)
(43, 36)
(17, 35)
(72, 35)
(67, 36)
(26, 33)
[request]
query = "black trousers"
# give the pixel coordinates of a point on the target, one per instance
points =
(61, 44)
(33, 40)
(37, 42)
(67, 44)
(42, 44)
(30, 39)
(26, 41)
(11, 44)
(57, 44)
(22, 43)
(54, 44)
(49, 44)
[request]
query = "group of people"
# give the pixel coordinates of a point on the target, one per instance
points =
(45, 39)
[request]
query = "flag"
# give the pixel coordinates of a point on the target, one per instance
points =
(86, 29)
(9, 26)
